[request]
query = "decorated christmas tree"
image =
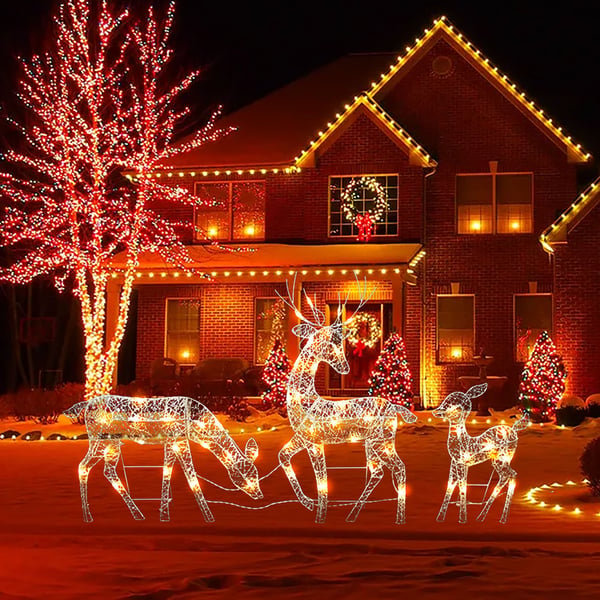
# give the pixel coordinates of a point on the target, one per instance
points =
(543, 380)
(391, 378)
(275, 376)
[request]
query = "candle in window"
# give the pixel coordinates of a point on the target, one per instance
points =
(185, 354)
(249, 230)
(456, 353)
(212, 231)
(515, 225)
(475, 225)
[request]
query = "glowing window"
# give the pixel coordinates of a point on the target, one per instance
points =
(233, 210)
(494, 203)
(533, 314)
(182, 336)
(340, 226)
(455, 328)
(270, 324)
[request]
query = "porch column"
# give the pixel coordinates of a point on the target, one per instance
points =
(398, 305)
(113, 293)
(292, 341)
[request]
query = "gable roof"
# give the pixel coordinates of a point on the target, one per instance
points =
(558, 231)
(272, 131)
(442, 28)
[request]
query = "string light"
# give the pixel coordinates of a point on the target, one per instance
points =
(497, 444)
(171, 422)
(317, 421)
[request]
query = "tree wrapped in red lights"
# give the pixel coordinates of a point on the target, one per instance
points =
(275, 376)
(542, 381)
(98, 102)
(391, 377)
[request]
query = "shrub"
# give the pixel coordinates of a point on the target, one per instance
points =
(593, 405)
(570, 411)
(590, 465)
(238, 409)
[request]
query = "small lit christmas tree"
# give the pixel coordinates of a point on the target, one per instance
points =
(391, 378)
(543, 380)
(275, 376)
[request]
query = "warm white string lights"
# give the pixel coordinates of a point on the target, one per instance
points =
(317, 422)
(171, 422)
(497, 444)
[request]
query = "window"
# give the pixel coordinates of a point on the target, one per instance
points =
(235, 210)
(182, 339)
(455, 328)
(494, 203)
(270, 324)
(340, 226)
(533, 314)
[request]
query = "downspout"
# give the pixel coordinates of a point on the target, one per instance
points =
(423, 336)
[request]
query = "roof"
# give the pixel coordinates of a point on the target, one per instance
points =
(558, 231)
(273, 131)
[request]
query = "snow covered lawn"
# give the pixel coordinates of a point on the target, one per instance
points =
(48, 552)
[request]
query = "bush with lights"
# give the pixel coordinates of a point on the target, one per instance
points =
(275, 376)
(391, 378)
(542, 381)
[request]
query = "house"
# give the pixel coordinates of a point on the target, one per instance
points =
(459, 171)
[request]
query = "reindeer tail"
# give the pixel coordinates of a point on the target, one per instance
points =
(521, 423)
(75, 411)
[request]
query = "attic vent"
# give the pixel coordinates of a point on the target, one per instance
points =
(442, 66)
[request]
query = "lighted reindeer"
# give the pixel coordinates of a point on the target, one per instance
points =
(171, 422)
(497, 444)
(318, 422)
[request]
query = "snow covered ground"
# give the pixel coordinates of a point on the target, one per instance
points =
(46, 551)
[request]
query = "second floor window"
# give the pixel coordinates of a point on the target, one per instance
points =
(367, 196)
(455, 328)
(234, 210)
(494, 203)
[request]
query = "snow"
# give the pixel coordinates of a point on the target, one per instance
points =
(48, 552)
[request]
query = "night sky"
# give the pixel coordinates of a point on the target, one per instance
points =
(552, 53)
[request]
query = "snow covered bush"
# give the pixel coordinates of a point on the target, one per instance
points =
(593, 405)
(570, 411)
(590, 465)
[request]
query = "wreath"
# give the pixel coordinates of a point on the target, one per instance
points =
(364, 221)
(373, 331)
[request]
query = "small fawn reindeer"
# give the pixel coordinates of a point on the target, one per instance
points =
(317, 421)
(497, 444)
(171, 422)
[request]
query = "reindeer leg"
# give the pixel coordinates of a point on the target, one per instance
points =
(112, 452)
(316, 452)
(452, 482)
(374, 462)
(398, 470)
(462, 492)
(285, 460)
(184, 454)
(94, 454)
(165, 495)
(506, 476)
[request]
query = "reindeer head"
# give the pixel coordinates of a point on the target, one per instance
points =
(324, 341)
(456, 406)
(244, 474)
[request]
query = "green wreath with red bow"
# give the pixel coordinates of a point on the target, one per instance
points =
(364, 221)
(371, 339)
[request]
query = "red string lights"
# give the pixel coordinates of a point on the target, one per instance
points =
(96, 105)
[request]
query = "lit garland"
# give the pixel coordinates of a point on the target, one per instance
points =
(391, 378)
(497, 444)
(171, 422)
(275, 376)
(371, 323)
(364, 221)
(95, 108)
(543, 380)
(317, 421)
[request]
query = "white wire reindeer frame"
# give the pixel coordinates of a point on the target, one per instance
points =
(171, 422)
(497, 444)
(317, 421)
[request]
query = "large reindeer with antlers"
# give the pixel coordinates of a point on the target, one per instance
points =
(497, 444)
(171, 422)
(317, 421)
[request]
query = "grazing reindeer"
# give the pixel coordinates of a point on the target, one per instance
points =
(171, 422)
(496, 444)
(317, 421)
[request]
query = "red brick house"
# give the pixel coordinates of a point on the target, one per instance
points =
(470, 170)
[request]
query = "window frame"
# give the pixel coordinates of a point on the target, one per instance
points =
(494, 175)
(550, 332)
(439, 361)
(352, 236)
(166, 328)
(230, 238)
